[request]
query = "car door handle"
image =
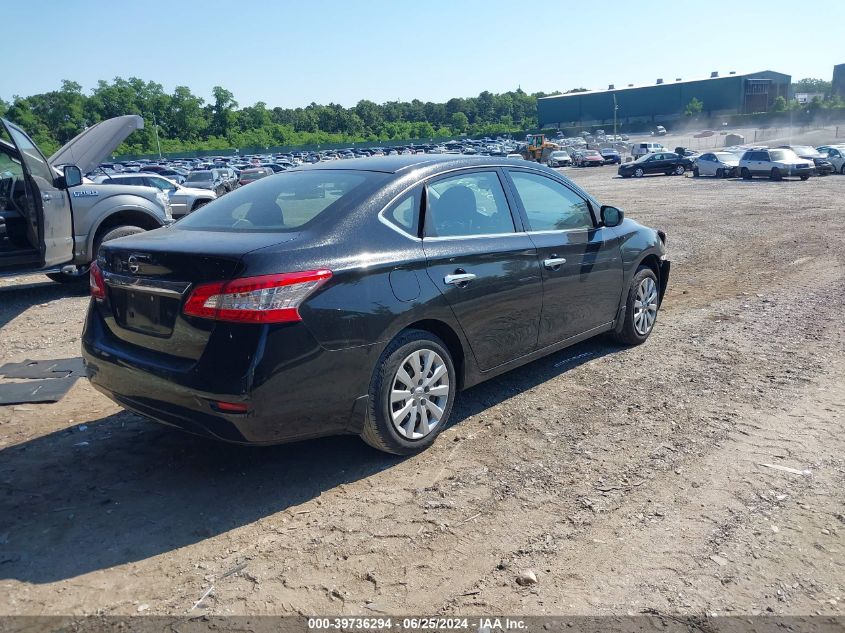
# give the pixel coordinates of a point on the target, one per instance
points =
(46, 197)
(458, 278)
(554, 262)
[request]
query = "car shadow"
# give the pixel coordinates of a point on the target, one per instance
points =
(124, 489)
(16, 298)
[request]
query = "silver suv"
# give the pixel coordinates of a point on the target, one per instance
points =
(774, 163)
(183, 200)
(51, 219)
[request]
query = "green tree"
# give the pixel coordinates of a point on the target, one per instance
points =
(810, 84)
(779, 105)
(222, 115)
(459, 122)
(694, 108)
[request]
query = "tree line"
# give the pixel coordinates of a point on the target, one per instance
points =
(187, 122)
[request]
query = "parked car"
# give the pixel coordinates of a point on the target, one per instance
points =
(228, 176)
(641, 149)
(177, 176)
(659, 130)
(611, 156)
(183, 200)
(667, 163)
(52, 220)
(251, 175)
(774, 164)
(718, 164)
(704, 134)
(823, 167)
(210, 179)
(836, 155)
(587, 158)
(559, 158)
(333, 280)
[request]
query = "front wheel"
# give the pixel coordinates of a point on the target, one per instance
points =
(804, 177)
(638, 172)
(720, 173)
(776, 174)
(679, 170)
(695, 172)
(411, 394)
(746, 175)
(80, 274)
(641, 307)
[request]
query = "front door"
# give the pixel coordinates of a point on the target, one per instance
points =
(50, 225)
(484, 266)
(581, 262)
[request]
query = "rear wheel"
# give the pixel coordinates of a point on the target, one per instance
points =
(80, 274)
(641, 308)
(411, 394)
(746, 175)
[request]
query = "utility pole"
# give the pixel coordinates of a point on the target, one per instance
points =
(615, 108)
(155, 127)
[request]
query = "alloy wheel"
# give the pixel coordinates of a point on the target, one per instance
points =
(645, 306)
(419, 394)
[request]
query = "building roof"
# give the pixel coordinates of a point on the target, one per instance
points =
(665, 83)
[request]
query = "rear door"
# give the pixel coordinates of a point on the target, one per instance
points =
(52, 219)
(484, 264)
(581, 262)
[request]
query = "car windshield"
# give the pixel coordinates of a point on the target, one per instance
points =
(559, 154)
(283, 203)
(782, 154)
(804, 150)
(200, 176)
(724, 156)
(591, 152)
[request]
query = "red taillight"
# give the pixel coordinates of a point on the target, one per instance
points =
(96, 282)
(264, 299)
(231, 407)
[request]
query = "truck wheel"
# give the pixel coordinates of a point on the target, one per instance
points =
(198, 204)
(81, 273)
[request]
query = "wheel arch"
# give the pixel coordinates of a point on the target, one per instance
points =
(449, 336)
(134, 217)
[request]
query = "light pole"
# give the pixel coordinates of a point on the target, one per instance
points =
(155, 128)
(615, 108)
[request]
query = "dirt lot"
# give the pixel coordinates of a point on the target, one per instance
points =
(628, 480)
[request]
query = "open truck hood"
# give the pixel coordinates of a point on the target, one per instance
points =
(91, 147)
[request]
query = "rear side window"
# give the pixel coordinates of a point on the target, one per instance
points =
(466, 205)
(405, 213)
(283, 203)
(549, 205)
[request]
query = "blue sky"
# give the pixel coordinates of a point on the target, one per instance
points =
(292, 52)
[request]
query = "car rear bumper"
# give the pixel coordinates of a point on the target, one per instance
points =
(295, 389)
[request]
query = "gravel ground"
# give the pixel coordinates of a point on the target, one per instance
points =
(626, 480)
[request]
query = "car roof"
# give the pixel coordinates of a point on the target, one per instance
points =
(407, 162)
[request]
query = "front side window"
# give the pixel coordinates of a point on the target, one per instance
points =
(35, 163)
(550, 205)
(465, 205)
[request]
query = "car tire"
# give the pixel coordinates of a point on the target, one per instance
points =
(386, 427)
(842, 169)
(638, 322)
(746, 175)
(680, 170)
(695, 172)
(199, 204)
(638, 172)
(805, 177)
(775, 175)
(81, 273)
(720, 173)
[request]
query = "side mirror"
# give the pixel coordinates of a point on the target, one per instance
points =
(611, 216)
(72, 176)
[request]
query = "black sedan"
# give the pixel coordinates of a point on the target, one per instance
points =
(361, 296)
(667, 163)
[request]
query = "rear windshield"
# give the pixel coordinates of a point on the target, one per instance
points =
(283, 203)
(199, 176)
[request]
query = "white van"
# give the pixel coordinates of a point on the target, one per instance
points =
(641, 149)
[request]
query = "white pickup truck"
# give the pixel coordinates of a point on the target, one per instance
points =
(52, 220)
